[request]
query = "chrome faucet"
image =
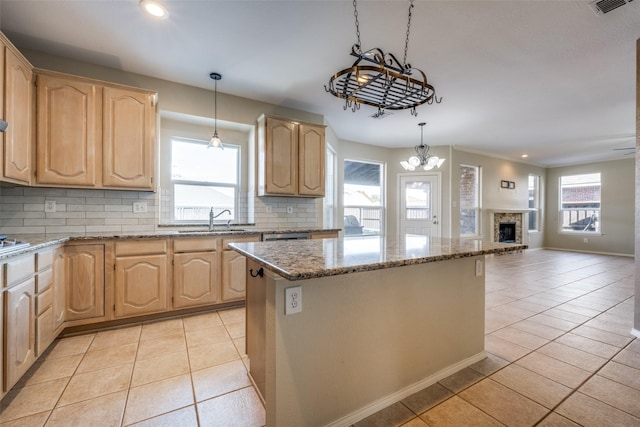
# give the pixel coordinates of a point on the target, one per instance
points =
(212, 217)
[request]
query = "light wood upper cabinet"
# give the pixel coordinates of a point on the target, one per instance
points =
(129, 133)
(94, 134)
(290, 158)
(19, 331)
(311, 152)
(84, 272)
(68, 131)
(18, 112)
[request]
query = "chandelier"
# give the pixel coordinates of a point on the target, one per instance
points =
(215, 141)
(380, 80)
(422, 158)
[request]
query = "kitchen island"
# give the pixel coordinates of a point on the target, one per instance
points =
(380, 319)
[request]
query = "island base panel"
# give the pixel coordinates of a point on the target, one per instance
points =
(361, 338)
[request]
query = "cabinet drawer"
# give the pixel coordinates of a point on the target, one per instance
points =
(44, 301)
(44, 259)
(239, 239)
(18, 269)
(44, 280)
(195, 245)
(151, 246)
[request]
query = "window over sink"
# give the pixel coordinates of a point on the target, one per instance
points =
(203, 178)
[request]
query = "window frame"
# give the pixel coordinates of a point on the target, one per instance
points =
(235, 186)
(561, 230)
(383, 202)
(537, 204)
(330, 201)
(478, 207)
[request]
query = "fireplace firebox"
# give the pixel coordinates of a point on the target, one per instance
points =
(507, 232)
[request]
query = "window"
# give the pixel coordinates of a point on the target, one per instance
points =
(363, 198)
(469, 200)
(534, 203)
(329, 202)
(580, 203)
(203, 178)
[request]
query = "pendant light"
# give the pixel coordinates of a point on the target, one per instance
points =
(422, 158)
(215, 141)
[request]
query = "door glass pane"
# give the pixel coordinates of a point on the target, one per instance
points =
(417, 200)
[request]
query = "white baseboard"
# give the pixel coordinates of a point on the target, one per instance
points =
(389, 400)
(588, 252)
(635, 332)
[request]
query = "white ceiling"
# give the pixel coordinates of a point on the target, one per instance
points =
(546, 78)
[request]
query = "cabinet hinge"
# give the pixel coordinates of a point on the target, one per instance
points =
(173, 262)
(114, 267)
(114, 307)
(171, 300)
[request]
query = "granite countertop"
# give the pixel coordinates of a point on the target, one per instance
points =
(41, 241)
(307, 259)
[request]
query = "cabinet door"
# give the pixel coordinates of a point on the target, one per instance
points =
(128, 138)
(281, 157)
(84, 271)
(59, 291)
(311, 161)
(18, 108)
(68, 131)
(140, 285)
(20, 331)
(234, 276)
(195, 279)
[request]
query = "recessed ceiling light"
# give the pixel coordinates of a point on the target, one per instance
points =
(154, 8)
(524, 156)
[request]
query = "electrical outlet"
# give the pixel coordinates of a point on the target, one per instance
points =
(50, 206)
(289, 209)
(139, 207)
(293, 300)
(586, 240)
(479, 267)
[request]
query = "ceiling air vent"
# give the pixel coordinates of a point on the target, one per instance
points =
(600, 7)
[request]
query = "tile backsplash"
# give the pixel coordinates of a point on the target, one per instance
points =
(78, 211)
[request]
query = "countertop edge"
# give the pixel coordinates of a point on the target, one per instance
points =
(40, 241)
(373, 266)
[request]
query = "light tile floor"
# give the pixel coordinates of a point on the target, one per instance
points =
(557, 332)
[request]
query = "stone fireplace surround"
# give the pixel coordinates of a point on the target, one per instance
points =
(508, 215)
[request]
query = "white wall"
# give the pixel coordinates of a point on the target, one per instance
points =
(493, 196)
(617, 215)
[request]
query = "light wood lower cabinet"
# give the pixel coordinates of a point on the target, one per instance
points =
(234, 269)
(195, 279)
(19, 331)
(140, 282)
(84, 274)
(140, 285)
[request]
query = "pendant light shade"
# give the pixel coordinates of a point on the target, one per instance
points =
(215, 141)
